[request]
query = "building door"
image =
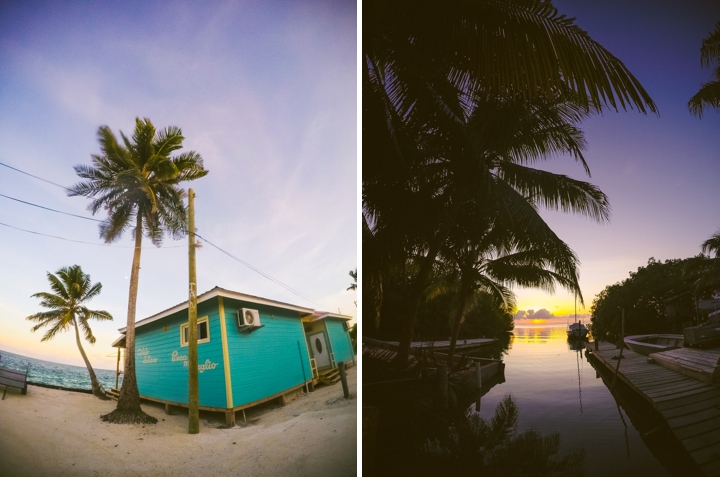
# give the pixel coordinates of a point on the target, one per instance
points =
(318, 345)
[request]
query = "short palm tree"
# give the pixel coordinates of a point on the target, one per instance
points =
(136, 183)
(71, 288)
(709, 94)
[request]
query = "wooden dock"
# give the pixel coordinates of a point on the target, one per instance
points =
(445, 345)
(690, 406)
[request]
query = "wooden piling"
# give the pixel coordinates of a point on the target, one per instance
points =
(622, 345)
(343, 379)
(442, 383)
(478, 383)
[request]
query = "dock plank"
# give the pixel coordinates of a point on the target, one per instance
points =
(697, 428)
(707, 455)
(702, 440)
(692, 418)
(663, 380)
(662, 394)
(679, 386)
(667, 406)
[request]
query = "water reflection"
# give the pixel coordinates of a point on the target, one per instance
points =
(557, 393)
(565, 413)
(475, 446)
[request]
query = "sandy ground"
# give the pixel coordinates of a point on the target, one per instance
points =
(59, 433)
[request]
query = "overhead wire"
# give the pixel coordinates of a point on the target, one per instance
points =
(31, 175)
(239, 260)
(48, 208)
(77, 241)
(256, 270)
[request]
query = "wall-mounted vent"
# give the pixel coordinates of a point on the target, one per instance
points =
(248, 318)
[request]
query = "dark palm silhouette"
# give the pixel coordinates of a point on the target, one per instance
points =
(433, 73)
(709, 94)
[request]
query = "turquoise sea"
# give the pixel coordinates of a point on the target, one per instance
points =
(55, 374)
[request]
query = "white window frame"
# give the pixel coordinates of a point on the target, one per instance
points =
(185, 326)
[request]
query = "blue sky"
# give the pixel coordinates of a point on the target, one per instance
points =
(660, 172)
(264, 91)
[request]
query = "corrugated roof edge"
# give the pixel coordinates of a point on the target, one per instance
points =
(217, 291)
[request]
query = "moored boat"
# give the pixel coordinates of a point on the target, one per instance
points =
(654, 343)
(577, 330)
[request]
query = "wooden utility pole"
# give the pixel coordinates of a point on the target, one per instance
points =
(194, 398)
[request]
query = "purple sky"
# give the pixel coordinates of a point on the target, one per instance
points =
(264, 91)
(661, 173)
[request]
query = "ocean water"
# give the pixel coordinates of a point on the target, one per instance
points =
(56, 374)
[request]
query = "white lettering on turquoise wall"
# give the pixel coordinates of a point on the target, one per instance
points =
(207, 365)
(145, 353)
(201, 367)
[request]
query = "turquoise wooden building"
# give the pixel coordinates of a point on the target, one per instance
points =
(328, 340)
(250, 350)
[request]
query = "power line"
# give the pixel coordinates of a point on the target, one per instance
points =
(256, 270)
(274, 280)
(77, 241)
(48, 208)
(31, 175)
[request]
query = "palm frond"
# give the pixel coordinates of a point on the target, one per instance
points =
(709, 95)
(55, 327)
(712, 245)
(710, 50)
(85, 327)
(504, 423)
(557, 191)
(113, 227)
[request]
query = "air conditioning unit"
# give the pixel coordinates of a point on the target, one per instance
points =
(248, 318)
(346, 326)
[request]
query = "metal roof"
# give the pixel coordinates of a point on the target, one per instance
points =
(217, 291)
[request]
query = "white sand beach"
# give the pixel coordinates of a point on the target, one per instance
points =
(59, 433)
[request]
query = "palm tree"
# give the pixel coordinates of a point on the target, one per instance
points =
(490, 251)
(483, 169)
(709, 94)
(136, 182)
(423, 66)
(71, 289)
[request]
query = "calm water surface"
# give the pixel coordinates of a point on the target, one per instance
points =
(56, 374)
(558, 390)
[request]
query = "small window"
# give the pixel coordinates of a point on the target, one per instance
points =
(203, 332)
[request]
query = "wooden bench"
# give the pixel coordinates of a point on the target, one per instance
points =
(14, 379)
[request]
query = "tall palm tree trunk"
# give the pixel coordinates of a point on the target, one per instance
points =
(129, 399)
(416, 291)
(418, 286)
(458, 318)
(97, 388)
